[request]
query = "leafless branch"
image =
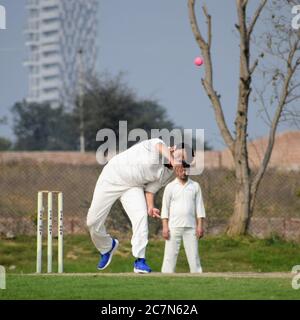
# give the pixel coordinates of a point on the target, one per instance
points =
(260, 95)
(194, 24)
(292, 99)
(294, 88)
(209, 27)
(252, 69)
(290, 71)
(207, 82)
(256, 16)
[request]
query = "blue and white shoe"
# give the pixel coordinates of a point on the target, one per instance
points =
(140, 266)
(105, 258)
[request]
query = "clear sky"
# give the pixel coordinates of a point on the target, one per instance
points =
(151, 41)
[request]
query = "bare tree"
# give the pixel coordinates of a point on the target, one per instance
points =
(281, 43)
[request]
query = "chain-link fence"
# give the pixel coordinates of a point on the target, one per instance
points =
(277, 209)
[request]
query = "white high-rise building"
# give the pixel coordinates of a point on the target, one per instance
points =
(56, 31)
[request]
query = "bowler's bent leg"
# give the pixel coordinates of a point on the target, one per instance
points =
(134, 203)
(105, 195)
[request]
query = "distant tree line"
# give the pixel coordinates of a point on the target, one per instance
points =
(106, 101)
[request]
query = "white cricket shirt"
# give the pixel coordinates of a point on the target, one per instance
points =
(182, 203)
(140, 165)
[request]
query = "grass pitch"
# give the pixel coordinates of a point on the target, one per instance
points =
(221, 259)
(146, 287)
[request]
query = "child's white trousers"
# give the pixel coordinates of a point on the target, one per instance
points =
(172, 247)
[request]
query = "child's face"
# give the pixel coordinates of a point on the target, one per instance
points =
(181, 173)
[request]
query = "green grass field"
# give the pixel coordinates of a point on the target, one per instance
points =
(145, 287)
(217, 254)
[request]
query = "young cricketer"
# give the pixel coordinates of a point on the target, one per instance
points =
(182, 217)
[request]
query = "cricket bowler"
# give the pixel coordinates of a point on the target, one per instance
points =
(133, 176)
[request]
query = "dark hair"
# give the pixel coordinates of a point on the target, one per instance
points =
(185, 165)
(189, 152)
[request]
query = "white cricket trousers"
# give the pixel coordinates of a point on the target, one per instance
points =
(133, 201)
(172, 247)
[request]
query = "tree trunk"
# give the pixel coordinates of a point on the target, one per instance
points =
(239, 221)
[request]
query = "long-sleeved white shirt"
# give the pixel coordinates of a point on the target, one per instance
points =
(182, 203)
(140, 165)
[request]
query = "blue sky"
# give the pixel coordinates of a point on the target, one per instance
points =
(151, 41)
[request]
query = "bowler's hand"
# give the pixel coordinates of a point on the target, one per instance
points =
(166, 233)
(199, 232)
(154, 213)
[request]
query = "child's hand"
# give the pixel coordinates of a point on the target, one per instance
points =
(166, 233)
(199, 232)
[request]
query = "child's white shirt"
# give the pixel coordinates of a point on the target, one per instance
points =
(182, 203)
